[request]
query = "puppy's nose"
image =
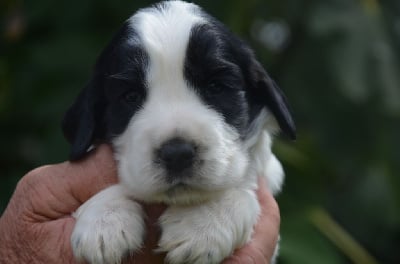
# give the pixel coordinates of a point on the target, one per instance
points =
(177, 154)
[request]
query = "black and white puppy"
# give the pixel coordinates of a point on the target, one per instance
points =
(190, 113)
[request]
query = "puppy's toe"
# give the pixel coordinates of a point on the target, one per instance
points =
(105, 232)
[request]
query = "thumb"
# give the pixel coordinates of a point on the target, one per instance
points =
(90, 175)
(64, 187)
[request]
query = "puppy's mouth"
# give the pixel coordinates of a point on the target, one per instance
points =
(182, 187)
(178, 188)
(185, 194)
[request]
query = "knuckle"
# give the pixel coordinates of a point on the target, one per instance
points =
(275, 212)
(33, 178)
(271, 211)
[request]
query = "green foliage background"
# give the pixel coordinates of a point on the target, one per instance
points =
(337, 61)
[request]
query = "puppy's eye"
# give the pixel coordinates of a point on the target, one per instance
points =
(132, 97)
(215, 88)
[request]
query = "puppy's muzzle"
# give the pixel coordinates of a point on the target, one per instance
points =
(177, 155)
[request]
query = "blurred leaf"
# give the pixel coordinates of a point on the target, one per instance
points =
(301, 243)
(340, 237)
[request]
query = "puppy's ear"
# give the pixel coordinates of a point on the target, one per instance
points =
(265, 91)
(79, 123)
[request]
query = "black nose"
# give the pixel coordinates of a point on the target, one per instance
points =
(177, 154)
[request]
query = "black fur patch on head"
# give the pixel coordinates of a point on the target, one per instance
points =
(218, 81)
(244, 86)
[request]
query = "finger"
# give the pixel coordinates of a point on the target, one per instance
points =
(266, 232)
(267, 228)
(92, 174)
(247, 255)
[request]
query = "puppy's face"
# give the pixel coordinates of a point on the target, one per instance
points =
(178, 96)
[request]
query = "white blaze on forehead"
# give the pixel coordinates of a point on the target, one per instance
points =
(165, 33)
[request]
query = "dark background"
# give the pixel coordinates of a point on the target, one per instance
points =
(337, 61)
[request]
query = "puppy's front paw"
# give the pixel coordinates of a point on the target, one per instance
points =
(109, 226)
(205, 234)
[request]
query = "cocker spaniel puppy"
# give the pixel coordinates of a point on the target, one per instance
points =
(190, 114)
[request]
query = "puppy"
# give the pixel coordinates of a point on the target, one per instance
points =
(189, 112)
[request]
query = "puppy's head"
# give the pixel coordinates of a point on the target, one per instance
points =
(179, 97)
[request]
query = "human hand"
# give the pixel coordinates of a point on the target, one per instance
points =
(36, 226)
